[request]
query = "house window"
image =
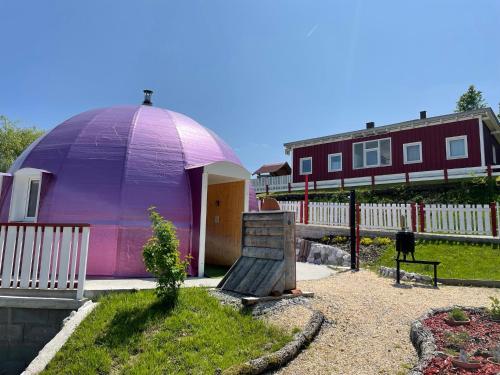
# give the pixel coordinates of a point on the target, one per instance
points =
(372, 153)
(412, 152)
(33, 197)
(335, 162)
(306, 166)
(456, 147)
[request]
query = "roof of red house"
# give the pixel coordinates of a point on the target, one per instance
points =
(486, 114)
(271, 168)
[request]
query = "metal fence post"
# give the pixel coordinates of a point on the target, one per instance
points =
(494, 225)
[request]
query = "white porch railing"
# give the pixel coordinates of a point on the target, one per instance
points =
(275, 184)
(278, 183)
(44, 256)
(478, 219)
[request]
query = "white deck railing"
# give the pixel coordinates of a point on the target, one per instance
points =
(474, 219)
(281, 183)
(44, 256)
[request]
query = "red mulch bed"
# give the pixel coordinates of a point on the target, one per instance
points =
(484, 335)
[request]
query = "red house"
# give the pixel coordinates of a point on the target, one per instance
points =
(457, 145)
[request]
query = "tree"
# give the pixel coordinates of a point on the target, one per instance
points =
(162, 259)
(471, 99)
(14, 140)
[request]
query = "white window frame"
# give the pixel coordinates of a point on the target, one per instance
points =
(466, 147)
(378, 150)
(300, 165)
(27, 199)
(405, 154)
(330, 164)
(494, 156)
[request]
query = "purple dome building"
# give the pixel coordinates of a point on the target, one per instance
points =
(106, 167)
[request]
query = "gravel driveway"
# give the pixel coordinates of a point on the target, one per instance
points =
(370, 323)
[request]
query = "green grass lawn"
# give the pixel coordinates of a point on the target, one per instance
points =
(129, 333)
(458, 260)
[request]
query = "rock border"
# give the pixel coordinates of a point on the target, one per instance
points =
(283, 356)
(48, 352)
(423, 340)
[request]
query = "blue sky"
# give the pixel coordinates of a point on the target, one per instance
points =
(259, 73)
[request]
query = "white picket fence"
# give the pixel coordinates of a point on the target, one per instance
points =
(44, 256)
(437, 218)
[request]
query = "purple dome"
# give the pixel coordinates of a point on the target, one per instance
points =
(108, 166)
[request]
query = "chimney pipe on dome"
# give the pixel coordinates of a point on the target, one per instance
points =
(423, 115)
(147, 97)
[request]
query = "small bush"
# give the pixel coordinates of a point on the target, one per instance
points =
(382, 241)
(494, 310)
(161, 257)
(366, 241)
(457, 315)
(340, 239)
(457, 340)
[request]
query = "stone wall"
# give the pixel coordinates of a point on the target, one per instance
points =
(23, 333)
(317, 253)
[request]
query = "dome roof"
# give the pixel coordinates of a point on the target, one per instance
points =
(122, 157)
(110, 165)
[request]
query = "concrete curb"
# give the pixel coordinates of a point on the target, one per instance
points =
(283, 356)
(423, 340)
(53, 346)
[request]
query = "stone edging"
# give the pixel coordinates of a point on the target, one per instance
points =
(423, 340)
(283, 356)
(53, 346)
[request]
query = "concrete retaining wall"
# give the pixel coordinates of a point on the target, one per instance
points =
(23, 333)
(318, 231)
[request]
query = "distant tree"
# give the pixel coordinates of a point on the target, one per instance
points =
(471, 99)
(14, 140)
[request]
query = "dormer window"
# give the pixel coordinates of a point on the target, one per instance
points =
(25, 198)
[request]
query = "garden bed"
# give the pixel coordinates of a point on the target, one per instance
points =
(438, 342)
(132, 333)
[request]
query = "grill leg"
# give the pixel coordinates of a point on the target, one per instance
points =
(398, 275)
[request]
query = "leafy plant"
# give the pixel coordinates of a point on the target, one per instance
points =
(161, 257)
(457, 315)
(457, 340)
(494, 310)
(340, 239)
(366, 241)
(382, 241)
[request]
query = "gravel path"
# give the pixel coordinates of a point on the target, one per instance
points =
(370, 323)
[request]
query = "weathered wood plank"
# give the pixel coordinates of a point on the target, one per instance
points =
(259, 216)
(275, 242)
(263, 253)
(266, 269)
(239, 273)
(262, 224)
(271, 277)
(264, 231)
(248, 281)
(247, 301)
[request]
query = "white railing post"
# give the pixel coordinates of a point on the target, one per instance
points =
(82, 267)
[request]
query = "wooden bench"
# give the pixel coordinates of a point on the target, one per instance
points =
(399, 261)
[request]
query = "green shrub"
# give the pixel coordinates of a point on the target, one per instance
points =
(456, 340)
(340, 239)
(382, 241)
(457, 315)
(366, 241)
(494, 310)
(161, 257)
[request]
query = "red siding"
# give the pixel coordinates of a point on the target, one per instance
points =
(489, 142)
(433, 152)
